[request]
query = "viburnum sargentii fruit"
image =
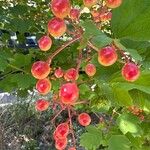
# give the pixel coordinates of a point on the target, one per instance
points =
(107, 56)
(45, 43)
(42, 105)
(40, 69)
(60, 8)
(113, 3)
(84, 119)
(67, 96)
(43, 86)
(90, 70)
(130, 72)
(57, 27)
(69, 93)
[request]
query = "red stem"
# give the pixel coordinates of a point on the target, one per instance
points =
(71, 127)
(61, 48)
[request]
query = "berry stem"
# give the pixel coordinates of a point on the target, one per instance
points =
(71, 126)
(79, 61)
(61, 48)
(92, 46)
(57, 114)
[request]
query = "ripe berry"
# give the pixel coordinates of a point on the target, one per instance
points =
(41, 105)
(55, 136)
(90, 70)
(74, 14)
(43, 86)
(57, 27)
(45, 43)
(62, 130)
(58, 73)
(60, 8)
(89, 3)
(72, 148)
(107, 56)
(61, 144)
(40, 69)
(71, 75)
(69, 93)
(130, 72)
(113, 3)
(84, 119)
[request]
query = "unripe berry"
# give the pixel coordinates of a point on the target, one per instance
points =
(130, 72)
(107, 56)
(69, 93)
(84, 119)
(57, 27)
(45, 43)
(61, 144)
(90, 70)
(59, 73)
(89, 3)
(40, 69)
(71, 74)
(60, 8)
(43, 86)
(74, 14)
(41, 105)
(62, 130)
(113, 3)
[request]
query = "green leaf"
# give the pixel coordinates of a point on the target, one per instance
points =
(129, 123)
(134, 53)
(131, 20)
(23, 81)
(119, 142)
(101, 40)
(92, 139)
(3, 64)
(98, 38)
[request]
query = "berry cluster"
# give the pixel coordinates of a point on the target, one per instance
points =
(68, 95)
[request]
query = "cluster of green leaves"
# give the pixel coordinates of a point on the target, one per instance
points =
(107, 89)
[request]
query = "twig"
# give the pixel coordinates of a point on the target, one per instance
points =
(71, 126)
(61, 48)
(92, 46)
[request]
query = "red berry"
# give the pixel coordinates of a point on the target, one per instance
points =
(57, 27)
(107, 56)
(40, 69)
(61, 144)
(60, 8)
(62, 130)
(71, 75)
(58, 73)
(90, 70)
(130, 72)
(113, 3)
(43, 86)
(45, 43)
(74, 14)
(89, 3)
(41, 105)
(69, 93)
(84, 119)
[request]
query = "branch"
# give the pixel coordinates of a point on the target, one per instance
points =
(61, 48)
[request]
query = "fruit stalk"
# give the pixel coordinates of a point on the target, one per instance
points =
(61, 48)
